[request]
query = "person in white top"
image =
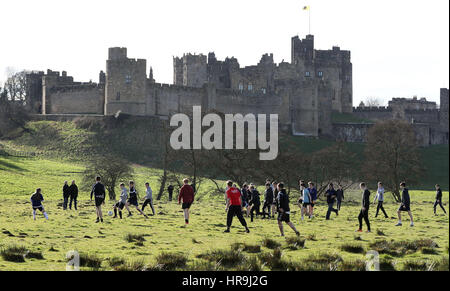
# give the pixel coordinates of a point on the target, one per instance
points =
(380, 198)
(148, 198)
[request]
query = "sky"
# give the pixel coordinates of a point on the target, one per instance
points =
(399, 48)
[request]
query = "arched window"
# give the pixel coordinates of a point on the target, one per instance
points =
(307, 74)
(250, 87)
(241, 86)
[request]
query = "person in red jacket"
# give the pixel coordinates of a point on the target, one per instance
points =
(234, 206)
(187, 197)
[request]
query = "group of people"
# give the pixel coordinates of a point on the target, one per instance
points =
(244, 201)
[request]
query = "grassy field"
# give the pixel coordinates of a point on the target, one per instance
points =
(164, 242)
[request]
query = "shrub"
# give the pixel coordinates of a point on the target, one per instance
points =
(295, 242)
(134, 238)
(116, 262)
(270, 243)
(90, 260)
(246, 248)
(356, 265)
(34, 255)
(227, 258)
(14, 254)
(134, 266)
(352, 248)
(171, 261)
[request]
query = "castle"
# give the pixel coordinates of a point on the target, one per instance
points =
(305, 92)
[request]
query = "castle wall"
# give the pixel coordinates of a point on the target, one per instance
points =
(443, 114)
(78, 99)
(373, 113)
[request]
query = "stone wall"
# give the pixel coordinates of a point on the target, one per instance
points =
(77, 99)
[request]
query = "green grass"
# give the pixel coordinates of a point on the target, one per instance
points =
(202, 245)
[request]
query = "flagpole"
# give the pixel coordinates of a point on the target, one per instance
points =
(309, 11)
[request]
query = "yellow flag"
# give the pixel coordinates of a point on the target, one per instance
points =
(306, 8)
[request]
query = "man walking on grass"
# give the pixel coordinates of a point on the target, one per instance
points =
(73, 193)
(438, 199)
(234, 207)
(66, 195)
(99, 193)
(364, 213)
(284, 210)
(380, 198)
(148, 198)
(405, 206)
(187, 197)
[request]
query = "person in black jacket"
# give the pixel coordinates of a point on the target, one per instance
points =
(364, 213)
(284, 210)
(66, 195)
(438, 199)
(405, 205)
(255, 202)
(170, 190)
(331, 198)
(73, 192)
(99, 193)
(268, 200)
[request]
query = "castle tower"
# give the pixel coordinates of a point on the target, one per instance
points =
(125, 83)
(190, 70)
(302, 49)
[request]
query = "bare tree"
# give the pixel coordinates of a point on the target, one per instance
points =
(111, 169)
(392, 155)
(15, 85)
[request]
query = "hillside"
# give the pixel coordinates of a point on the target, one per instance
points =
(140, 141)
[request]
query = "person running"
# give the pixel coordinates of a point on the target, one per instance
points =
(339, 197)
(36, 203)
(122, 202)
(148, 198)
(331, 197)
(99, 193)
(66, 195)
(284, 210)
(268, 200)
(133, 200)
(170, 190)
(438, 199)
(313, 191)
(255, 202)
(405, 205)
(306, 199)
(365, 204)
(380, 198)
(187, 197)
(234, 207)
(73, 193)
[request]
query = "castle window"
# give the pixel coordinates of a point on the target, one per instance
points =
(118, 96)
(250, 87)
(241, 86)
(320, 74)
(128, 79)
(307, 74)
(264, 91)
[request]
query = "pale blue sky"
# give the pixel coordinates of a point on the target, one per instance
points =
(399, 47)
